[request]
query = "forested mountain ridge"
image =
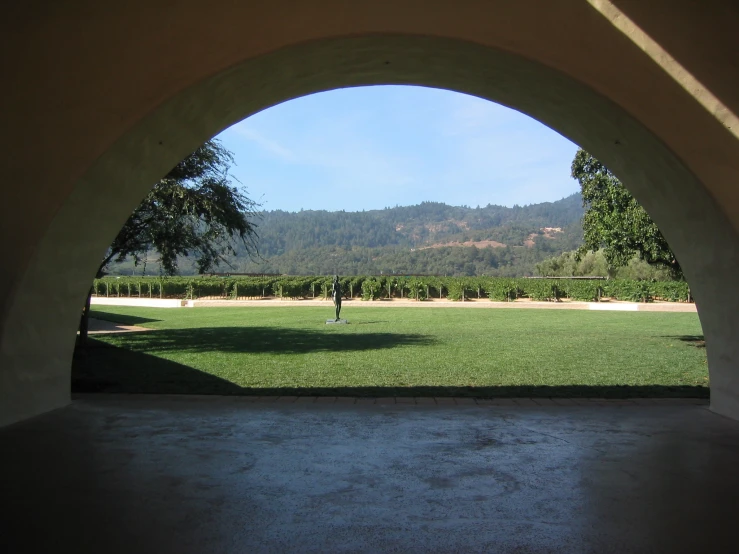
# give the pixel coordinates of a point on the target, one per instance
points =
(428, 238)
(416, 226)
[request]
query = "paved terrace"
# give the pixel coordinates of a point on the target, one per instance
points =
(232, 475)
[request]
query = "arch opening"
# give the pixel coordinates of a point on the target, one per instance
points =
(320, 153)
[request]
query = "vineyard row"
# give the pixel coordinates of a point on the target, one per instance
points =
(375, 288)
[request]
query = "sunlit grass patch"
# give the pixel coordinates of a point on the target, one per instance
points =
(392, 351)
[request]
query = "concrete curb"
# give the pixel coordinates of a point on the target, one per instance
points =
(402, 400)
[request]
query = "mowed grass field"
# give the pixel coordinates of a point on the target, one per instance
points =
(393, 351)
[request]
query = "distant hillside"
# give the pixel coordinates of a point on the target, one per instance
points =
(431, 238)
(425, 224)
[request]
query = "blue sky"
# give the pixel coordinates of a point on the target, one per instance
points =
(373, 147)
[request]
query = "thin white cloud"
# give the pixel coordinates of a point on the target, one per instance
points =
(468, 114)
(338, 146)
(269, 145)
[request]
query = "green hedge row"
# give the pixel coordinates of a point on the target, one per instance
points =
(376, 287)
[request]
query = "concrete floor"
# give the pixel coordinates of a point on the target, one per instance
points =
(168, 474)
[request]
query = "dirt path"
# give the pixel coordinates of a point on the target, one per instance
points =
(482, 304)
(397, 303)
(100, 326)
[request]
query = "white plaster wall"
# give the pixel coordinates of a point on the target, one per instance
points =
(142, 302)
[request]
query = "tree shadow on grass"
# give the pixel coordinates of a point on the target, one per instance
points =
(120, 318)
(100, 367)
(699, 341)
(259, 340)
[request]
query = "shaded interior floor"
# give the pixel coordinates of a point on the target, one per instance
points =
(168, 474)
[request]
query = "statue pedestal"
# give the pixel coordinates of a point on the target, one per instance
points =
(336, 322)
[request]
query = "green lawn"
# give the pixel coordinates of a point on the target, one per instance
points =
(395, 351)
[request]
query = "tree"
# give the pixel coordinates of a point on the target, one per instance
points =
(614, 220)
(192, 211)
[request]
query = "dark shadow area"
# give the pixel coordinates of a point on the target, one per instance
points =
(698, 341)
(99, 367)
(120, 318)
(254, 340)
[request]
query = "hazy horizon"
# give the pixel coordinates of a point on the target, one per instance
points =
(417, 204)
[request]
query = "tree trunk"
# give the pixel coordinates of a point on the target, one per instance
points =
(85, 319)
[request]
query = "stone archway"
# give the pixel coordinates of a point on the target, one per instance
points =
(107, 97)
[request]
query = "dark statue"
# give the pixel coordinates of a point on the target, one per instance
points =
(336, 295)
